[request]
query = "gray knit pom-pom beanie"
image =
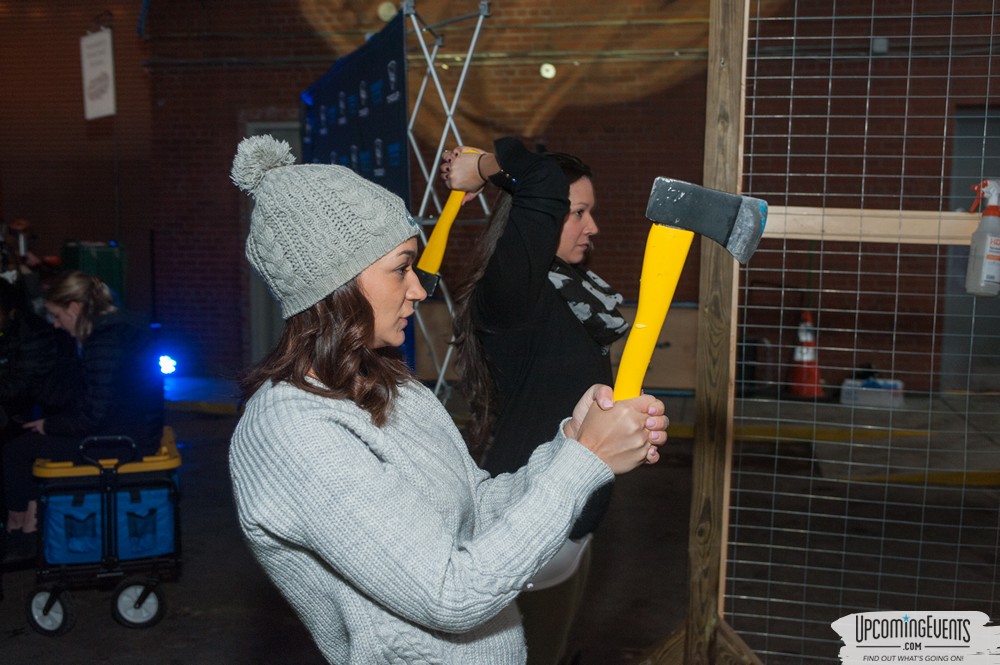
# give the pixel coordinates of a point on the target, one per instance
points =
(314, 227)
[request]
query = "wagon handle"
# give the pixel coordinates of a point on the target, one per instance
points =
(112, 441)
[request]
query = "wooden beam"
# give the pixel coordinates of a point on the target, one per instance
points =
(716, 351)
(865, 225)
(669, 650)
(730, 649)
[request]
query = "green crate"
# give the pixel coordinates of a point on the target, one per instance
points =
(101, 259)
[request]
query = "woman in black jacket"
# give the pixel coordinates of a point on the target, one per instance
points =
(533, 326)
(39, 367)
(122, 391)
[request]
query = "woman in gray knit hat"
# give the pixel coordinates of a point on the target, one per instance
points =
(353, 486)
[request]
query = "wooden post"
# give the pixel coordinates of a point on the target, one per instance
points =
(709, 640)
(706, 639)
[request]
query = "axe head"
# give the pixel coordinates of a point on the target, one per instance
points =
(735, 222)
(428, 280)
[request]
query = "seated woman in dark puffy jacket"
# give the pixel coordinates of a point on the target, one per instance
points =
(122, 390)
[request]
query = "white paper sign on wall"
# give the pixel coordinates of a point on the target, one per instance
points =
(98, 63)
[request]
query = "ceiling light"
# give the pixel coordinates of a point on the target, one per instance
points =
(386, 11)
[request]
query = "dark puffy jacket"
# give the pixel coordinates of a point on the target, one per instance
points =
(123, 389)
(39, 366)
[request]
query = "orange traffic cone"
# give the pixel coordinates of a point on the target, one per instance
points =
(804, 381)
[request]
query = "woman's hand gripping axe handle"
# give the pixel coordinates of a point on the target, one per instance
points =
(429, 264)
(679, 210)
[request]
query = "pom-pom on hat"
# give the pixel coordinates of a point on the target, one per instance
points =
(314, 226)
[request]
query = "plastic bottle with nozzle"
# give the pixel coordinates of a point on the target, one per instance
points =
(982, 277)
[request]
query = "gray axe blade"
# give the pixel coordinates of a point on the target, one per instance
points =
(736, 222)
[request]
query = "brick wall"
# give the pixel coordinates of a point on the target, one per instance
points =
(832, 124)
(215, 67)
(628, 98)
(201, 70)
(69, 177)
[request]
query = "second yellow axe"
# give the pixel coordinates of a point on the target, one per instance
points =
(679, 210)
(429, 265)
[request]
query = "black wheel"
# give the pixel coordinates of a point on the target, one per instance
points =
(137, 604)
(50, 611)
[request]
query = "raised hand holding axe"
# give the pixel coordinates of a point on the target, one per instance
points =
(465, 186)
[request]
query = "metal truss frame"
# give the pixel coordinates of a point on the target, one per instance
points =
(431, 43)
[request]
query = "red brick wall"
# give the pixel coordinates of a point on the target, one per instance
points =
(202, 70)
(216, 67)
(69, 177)
(628, 98)
(829, 124)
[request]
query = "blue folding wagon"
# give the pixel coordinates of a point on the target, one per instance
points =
(107, 521)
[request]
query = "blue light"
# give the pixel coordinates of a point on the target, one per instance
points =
(167, 365)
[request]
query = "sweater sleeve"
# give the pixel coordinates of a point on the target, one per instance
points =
(327, 490)
(519, 267)
(496, 496)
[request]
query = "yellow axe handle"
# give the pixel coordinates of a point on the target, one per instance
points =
(430, 260)
(666, 250)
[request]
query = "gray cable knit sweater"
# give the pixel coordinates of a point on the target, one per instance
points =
(390, 543)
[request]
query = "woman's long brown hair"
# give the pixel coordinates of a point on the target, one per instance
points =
(477, 376)
(331, 340)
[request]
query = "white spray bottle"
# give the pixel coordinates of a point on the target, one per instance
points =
(983, 275)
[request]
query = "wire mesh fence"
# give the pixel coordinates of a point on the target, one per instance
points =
(866, 469)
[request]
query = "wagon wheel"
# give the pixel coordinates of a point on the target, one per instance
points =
(50, 611)
(138, 603)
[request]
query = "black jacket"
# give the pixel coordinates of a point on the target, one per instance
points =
(39, 367)
(123, 389)
(542, 358)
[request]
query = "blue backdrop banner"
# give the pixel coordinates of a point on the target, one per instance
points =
(355, 114)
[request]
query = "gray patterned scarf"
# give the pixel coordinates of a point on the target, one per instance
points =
(591, 299)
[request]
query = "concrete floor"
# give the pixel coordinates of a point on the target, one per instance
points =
(223, 610)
